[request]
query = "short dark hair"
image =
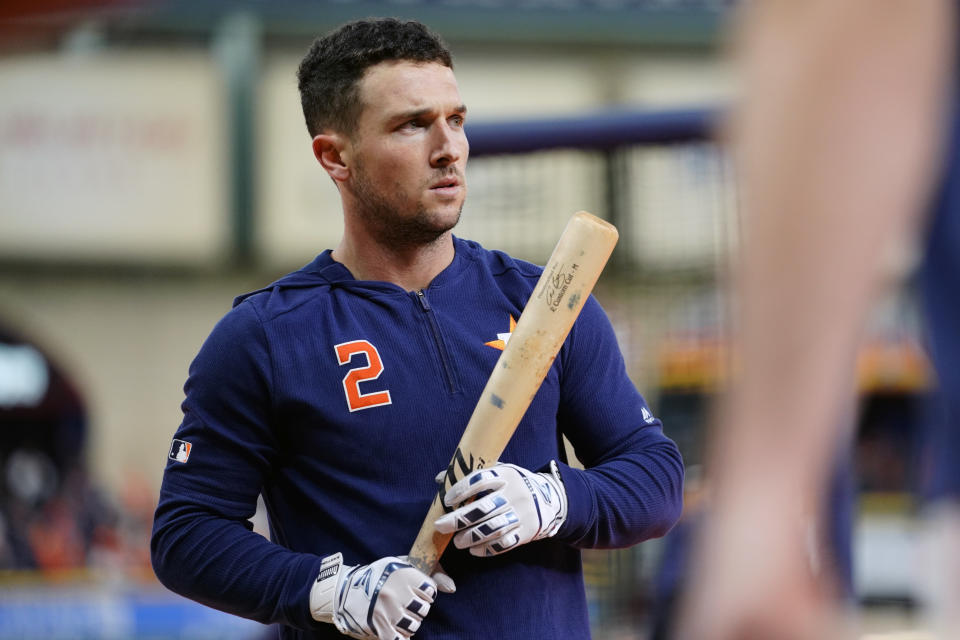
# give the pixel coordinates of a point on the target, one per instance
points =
(330, 73)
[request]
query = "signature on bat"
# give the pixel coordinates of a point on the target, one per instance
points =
(558, 283)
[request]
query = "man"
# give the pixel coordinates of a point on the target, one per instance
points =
(341, 390)
(839, 138)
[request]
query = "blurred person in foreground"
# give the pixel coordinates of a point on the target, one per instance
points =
(341, 390)
(846, 140)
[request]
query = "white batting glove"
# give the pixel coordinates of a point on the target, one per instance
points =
(383, 600)
(513, 506)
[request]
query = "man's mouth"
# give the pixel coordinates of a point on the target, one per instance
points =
(449, 186)
(446, 183)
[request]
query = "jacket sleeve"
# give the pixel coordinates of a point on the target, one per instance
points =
(631, 487)
(203, 546)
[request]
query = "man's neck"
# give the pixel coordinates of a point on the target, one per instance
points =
(412, 268)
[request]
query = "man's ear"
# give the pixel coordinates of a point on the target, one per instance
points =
(330, 151)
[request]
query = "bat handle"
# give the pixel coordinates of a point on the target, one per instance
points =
(429, 545)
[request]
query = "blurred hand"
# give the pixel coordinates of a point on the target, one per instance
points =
(751, 579)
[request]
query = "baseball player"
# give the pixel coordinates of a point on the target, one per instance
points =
(340, 391)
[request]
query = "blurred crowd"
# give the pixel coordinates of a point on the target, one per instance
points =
(54, 518)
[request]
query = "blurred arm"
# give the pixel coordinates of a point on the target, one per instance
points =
(836, 142)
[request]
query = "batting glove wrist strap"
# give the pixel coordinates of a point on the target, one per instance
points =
(553, 477)
(324, 588)
(510, 506)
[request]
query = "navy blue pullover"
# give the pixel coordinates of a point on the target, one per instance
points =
(340, 400)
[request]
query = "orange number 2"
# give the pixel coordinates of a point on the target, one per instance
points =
(351, 382)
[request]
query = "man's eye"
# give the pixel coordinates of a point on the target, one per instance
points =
(456, 121)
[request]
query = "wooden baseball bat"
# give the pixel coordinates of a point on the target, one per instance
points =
(556, 301)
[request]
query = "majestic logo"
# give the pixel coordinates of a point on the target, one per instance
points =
(503, 338)
(647, 416)
(180, 450)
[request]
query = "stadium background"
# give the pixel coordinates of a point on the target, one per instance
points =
(153, 164)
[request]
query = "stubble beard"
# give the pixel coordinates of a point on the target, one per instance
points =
(389, 228)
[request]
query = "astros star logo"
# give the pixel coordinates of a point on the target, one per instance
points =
(503, 338)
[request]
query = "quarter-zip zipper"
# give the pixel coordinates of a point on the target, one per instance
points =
(438, 339)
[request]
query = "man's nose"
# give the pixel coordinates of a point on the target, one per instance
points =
(451, 146)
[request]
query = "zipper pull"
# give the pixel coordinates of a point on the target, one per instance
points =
(422, 297)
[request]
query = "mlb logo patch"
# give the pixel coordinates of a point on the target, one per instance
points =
(180, 450)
